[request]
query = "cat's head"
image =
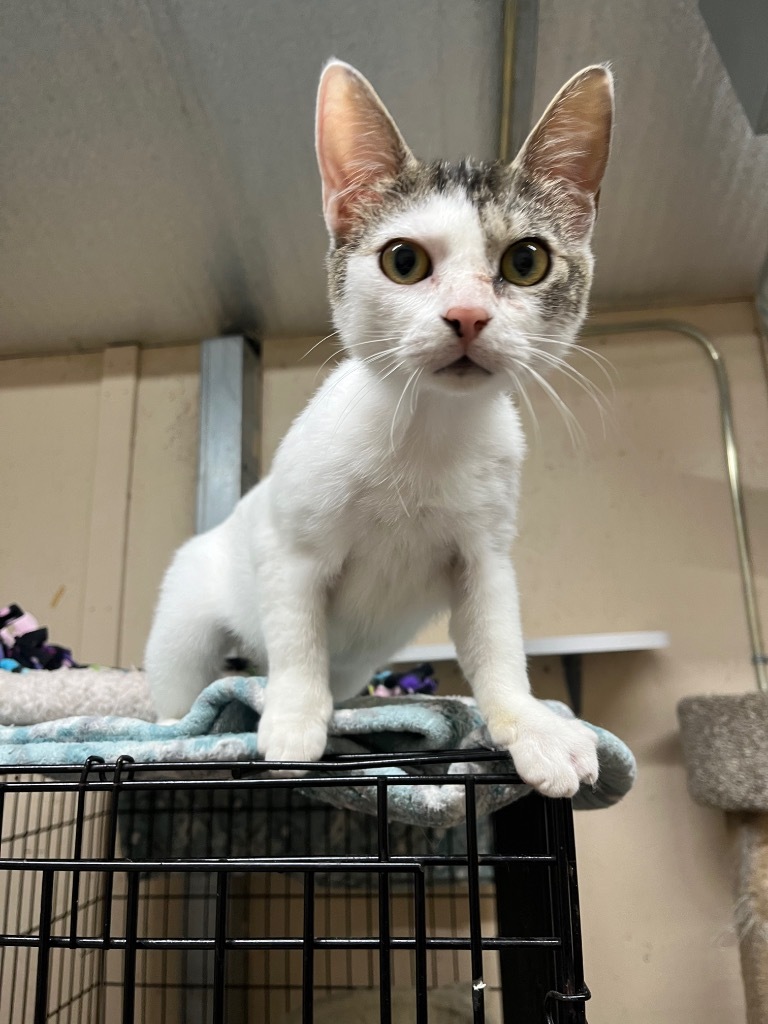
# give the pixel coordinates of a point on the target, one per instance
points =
(467, 272)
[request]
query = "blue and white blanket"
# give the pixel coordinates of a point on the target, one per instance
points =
(223, 723)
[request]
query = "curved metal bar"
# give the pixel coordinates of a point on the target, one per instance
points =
(759, 658)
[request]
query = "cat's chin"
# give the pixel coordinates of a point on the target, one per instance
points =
(464, 367)
(462, 375)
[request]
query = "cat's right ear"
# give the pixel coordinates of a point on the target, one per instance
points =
(358, 145)
(571, 142)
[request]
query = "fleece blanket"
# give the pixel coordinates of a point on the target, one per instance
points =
(223, 723)
(35, 695)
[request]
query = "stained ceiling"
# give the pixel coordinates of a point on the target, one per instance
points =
(157, 176)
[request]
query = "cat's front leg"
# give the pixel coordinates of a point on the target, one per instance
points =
(553, 754)
(298, 703)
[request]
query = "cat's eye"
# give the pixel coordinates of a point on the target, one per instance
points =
(405, 262)
(525, 262)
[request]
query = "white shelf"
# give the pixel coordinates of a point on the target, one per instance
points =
(580, 643)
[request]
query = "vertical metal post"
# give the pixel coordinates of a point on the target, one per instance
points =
(228, 463)
(524, 908)
(568, 1006)
(44, 948)
(308, 951)
(385, 938)
(129, 957)
(520, 41)
(198, 969)
(220, 951)
(230, 426)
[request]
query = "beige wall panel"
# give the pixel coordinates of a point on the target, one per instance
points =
(293, 369)
(49, 414)
(109, 506)
(162, 508)
(71, 449)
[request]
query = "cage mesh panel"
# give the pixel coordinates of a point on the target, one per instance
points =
(198, 935)
(35, 825)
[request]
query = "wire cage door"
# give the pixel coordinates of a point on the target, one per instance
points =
(216, 893)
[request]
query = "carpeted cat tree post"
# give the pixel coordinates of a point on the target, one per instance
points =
(725, 746)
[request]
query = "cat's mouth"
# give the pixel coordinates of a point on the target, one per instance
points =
(463, 367)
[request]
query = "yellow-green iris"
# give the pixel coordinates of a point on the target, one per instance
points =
(525, 262)
(405, 262)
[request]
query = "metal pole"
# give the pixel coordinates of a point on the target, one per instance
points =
(759, 657)
(518, 74)
(230, 426)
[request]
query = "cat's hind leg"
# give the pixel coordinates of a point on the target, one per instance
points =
(298, 703)
(187, 642)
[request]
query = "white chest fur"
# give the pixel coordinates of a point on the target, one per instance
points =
(386, 512)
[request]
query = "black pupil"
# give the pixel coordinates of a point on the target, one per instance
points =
(404, 259)
(523, 259)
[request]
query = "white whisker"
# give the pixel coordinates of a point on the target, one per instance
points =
(414, 390)
(400, 497)
(334, 355)
(571, 423)
(519, 389)
(397, 410)
(583, 382)
(602, 362)
(317, 344)
(364, 391)
(578, 378)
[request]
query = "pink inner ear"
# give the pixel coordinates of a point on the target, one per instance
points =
(329, 155)
(572, 140)
(358, 145)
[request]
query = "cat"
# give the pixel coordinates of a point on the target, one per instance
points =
(392, 496)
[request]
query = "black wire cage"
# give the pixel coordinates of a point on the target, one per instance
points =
(134, 893)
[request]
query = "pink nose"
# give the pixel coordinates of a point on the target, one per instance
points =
(467, 322)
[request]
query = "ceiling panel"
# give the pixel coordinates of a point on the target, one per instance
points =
(157, 172)
(684, 207)
(157, 176)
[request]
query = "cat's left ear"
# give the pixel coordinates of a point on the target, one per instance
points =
(572, 140)
(358, 145)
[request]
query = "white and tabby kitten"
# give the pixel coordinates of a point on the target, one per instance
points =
(393, 495)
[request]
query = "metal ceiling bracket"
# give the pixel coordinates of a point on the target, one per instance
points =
(230, 426)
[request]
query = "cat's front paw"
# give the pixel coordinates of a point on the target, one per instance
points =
(554, 755)
(291, 737)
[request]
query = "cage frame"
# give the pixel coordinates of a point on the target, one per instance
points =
(549, 911)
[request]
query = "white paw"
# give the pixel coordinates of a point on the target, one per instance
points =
(552, 754)
(291, 737)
